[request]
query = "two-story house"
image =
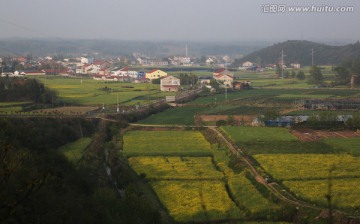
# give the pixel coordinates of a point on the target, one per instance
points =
(170, 84)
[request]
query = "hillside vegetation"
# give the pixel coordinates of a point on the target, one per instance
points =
(300, 52)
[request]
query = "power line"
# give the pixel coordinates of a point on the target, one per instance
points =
(23, 27)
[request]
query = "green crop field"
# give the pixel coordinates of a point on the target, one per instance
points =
(345, 192)
(295, 96)
(309, 166)
(263, 134)
(269, 140)
(247, 102)
(280, 83)
(174, 116)
(196, 201)
(350, 145)
(92, 92)
(185, 115)
(73, 151)
(249, 197)
(277, 95)
(175, 168)
(182, 143)
(12, 107)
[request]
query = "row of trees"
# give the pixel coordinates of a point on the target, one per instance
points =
(348, 72)
(22, 89)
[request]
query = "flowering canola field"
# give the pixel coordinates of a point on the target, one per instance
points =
(170, 168)
(190, 177)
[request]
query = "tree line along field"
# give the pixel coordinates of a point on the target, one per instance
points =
(305, 169)
(193, 187)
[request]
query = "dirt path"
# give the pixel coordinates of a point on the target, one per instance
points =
(260, 179)
(311, 135)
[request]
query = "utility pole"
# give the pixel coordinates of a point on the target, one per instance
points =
(312, 56)
(117, 102)
(282, 64)
(225, 92)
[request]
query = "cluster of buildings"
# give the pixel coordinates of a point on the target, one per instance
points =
(106, 70)
(226, 78)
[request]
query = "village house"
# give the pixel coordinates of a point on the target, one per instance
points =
(159, 63)
(295, 65)
(89, 69)
(224, 76)
(42, 72)
(85, 60)
(170, 84)
(210, 61)
(241, 85)
(155, 74)
(247, 64)
(205, 80)
(127, 72)
(142, 61)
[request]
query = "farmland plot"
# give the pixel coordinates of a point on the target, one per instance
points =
(193, 187)
(345, 192)
(350, 145)
(183, 143)
(309, 166)
(263, 134)
(175, 168)
(248, 196)
(196, 201)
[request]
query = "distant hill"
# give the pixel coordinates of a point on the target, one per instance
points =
(44, 47)
(300, 52)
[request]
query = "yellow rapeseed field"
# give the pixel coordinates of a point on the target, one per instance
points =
(345, 192)
(175, 167)
(309, 166)
(196, 200)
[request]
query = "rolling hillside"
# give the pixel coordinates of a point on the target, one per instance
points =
(300, 52)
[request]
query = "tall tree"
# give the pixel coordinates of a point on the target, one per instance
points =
(300, 75)
(342, 75)
(316, 76)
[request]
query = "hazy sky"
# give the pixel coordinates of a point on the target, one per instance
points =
(177, 20)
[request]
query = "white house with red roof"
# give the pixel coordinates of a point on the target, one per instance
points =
(89, 69)
(169, 84)
(126, 71)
